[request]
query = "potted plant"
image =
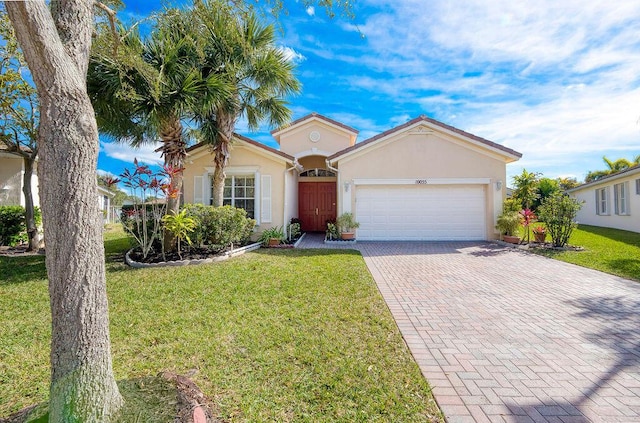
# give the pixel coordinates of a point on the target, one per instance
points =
(508, 224)
(539, 233)
(332, 233)
(347, 225)
(272, 236)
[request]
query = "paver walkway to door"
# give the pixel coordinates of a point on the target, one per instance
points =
(506, 336)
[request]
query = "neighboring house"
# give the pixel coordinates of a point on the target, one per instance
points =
(612, 201)
(11, 179)
(422, 180)
(11, 174)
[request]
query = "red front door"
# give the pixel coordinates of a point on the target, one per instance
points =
(316, 205)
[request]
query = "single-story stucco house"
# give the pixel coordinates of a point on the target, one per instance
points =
(422, 180)
(612, 201)
(11, 182)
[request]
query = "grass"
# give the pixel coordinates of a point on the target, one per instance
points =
(277, 335)
(609, 250)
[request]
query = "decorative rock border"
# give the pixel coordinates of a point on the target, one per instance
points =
(539, 246)
(233, 253)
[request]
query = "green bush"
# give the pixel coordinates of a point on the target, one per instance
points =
(12, 225)
(558, 212)
(219, 226)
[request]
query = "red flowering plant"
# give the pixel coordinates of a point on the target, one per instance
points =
(143, 219)
(528, 217)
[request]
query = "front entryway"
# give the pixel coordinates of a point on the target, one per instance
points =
(316, 205)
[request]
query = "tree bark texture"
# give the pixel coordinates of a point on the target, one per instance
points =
(32, 229)
(174, 150)
(56, 47)
(226, 123)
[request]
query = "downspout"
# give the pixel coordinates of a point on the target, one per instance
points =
(339, 189)
(285, 226)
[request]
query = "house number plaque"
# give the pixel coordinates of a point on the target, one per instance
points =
(421, 181)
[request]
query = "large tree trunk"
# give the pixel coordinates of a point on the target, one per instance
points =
(83, 387)
(32, 229)
(226, 123)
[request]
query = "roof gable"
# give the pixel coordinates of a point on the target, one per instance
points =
(248, 142)
(309, 118)
(434, 125)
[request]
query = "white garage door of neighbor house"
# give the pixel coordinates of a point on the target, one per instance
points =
(421, 213)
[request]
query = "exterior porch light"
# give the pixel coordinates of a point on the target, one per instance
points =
(498, 185)
(347, 185)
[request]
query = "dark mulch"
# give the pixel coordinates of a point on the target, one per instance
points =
(19, 250)
(186, 253)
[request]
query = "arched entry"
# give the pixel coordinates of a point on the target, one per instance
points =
(317, 194)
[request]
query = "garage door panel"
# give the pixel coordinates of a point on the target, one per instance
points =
(421, 213)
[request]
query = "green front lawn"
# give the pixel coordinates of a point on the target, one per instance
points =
(609, 250)
(286, 335)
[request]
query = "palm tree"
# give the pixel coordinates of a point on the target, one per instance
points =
(613, 167)
(148, 89)
(241, 51)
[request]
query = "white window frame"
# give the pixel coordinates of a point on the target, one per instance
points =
(233, 198)
(602, 199)
(621, 198)
(638, 186)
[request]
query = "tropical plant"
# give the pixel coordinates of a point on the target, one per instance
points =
(566, 183)
(241, 52)
(527, 217)
(294, 231)
(346, 222)
(558, 213)
(526, 188)
(180, 225)
(613, 166)
(332, 232)
(272, 233)
(143, 220)
(150, 86)
(546, 187)
(19, 117)
(509, 222)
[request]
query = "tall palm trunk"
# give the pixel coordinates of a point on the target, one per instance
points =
(32, 229)
(226, 122)
(174, 150)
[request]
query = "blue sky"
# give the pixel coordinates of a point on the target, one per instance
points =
(557, 81)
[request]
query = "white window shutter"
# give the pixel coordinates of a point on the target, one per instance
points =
(197, 189)
(265, 211)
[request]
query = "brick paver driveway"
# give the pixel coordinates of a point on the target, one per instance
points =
(504, 335)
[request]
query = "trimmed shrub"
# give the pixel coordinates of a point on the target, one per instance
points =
(220, 226)
(558, 212)
(12, 225)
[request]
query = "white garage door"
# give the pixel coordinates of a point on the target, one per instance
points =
(421, 213)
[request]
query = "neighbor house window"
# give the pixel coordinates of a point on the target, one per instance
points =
(638, 186)
(602, 201)
(621, 198)
(240, 191)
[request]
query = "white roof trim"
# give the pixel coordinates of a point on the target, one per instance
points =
(311, 119)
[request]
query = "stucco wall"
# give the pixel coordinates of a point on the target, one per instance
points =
(11, 181)
(244, 160)
(298, 144)
(424, 156)
(588, 216)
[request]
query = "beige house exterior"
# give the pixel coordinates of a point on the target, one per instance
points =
(612, 201)
(422, 180)
(11, 180)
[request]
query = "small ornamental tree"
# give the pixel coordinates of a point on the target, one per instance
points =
(558, 212)
(180, 225)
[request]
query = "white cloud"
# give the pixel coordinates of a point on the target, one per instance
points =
(291, 55)
(311, 11)
(126, 153)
